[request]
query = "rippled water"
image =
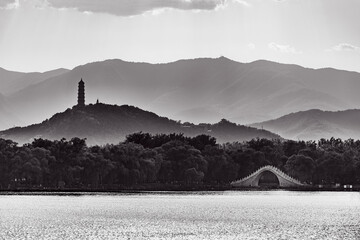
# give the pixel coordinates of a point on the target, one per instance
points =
(201, 215)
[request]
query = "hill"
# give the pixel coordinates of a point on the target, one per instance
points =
(11, 81)
(7, 119)
(316, 124)
(102, 123)
(198, 90)
(7, 78)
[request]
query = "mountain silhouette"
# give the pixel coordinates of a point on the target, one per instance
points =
(12, 82)
(6, 118)
(102, 123)
(197, 90)
(316, 124)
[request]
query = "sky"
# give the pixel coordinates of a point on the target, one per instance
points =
(41, 35)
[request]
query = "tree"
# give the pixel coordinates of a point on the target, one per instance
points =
(144, 139)
(30, 166)
(96, 167)
(221, 168)
(248, 160)
(66, 165)
(201, 141)
(300, 167)
(292, 147)
(181, 157)
(193, 176)
(330, 166)
(8, 149)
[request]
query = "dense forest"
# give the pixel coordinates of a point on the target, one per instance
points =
(171, 159)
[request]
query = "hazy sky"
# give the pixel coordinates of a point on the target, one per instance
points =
(39, 35)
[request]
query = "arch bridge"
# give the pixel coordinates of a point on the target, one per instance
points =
(270, 172)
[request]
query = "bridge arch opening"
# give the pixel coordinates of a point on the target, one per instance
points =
(268, 179)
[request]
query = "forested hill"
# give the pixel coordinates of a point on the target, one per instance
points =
(102, 123)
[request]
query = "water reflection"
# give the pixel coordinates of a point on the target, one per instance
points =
(183, 215)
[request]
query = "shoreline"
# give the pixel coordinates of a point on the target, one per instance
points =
(80, 192)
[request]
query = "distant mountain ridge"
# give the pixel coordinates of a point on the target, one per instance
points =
(102, 124)
(197, 90)
(10, 83)
(316, 124)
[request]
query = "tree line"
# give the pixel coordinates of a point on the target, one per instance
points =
(172, 159)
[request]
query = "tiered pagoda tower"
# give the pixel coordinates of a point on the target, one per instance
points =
(81, 94)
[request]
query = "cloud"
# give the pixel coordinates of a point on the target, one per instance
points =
(344, 47)
(4, 3)
(9, 4)
(283, 48)
(243, 2)
(133, 7)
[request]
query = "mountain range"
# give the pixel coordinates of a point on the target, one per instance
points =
(102, 123)
(12, 82)
(198, 90)
(315, 124)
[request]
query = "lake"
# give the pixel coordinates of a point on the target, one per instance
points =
(182, 215)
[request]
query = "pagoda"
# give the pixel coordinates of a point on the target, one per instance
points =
(81, 94)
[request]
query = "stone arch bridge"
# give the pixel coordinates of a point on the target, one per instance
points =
(253, 179)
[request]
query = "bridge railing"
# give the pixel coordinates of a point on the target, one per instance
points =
(275, 169)
(284, 175)
(248, 176)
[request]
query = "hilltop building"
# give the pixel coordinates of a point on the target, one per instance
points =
(81, 94)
